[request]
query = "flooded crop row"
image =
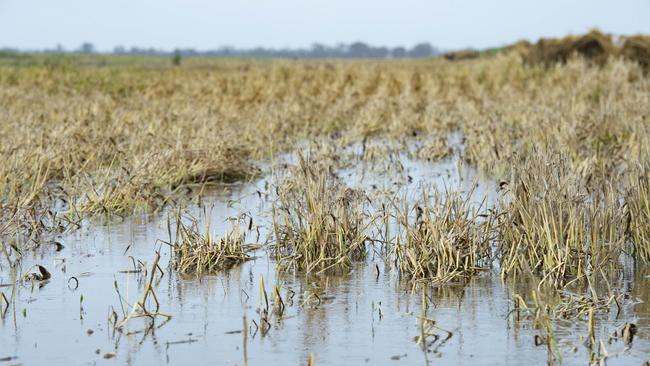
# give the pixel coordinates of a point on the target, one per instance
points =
(270, 305)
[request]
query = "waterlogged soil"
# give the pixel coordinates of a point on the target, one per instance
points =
(367, 316)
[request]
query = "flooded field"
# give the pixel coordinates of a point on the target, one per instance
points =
(370, 312)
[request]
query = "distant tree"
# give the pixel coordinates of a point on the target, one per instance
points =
(176, 58)
(8, 52)
(87, 47)
(378, 52)
(398, 52)
(358, 49)
(339, 51)
(227, 51)
(422, 50)
(318, 51)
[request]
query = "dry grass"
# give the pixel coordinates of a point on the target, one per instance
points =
(638, 204)
(445, 241)
(195, 253)
(461, 55)
(558, 225)
(318, 223)
(637, 48)
(594, 46)
(82, 140)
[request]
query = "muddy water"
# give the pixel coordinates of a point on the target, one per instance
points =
(364, 317)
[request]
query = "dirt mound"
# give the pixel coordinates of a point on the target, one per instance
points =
(461, 55)
(594, 46)
(519, 46)
(637, 48)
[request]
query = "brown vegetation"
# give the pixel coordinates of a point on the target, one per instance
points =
(637, 48)
(461, 55)
(78, 141)
(594, 46)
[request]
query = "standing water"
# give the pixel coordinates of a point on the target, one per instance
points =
(367, 315)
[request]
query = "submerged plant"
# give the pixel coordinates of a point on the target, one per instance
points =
(318, 223)
(141, 308)
(638, 203)
(197, 254)
(445, 241)
(556, 225)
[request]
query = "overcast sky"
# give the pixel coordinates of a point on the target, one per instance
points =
(210, 24)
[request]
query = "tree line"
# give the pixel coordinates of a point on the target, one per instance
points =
(317, 50)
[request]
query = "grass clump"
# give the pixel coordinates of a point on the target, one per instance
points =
(447, 240)
(195, 253)
(558, 226)
(318, 223)
(638, 203)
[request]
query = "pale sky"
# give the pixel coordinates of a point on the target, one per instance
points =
(205, 24)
